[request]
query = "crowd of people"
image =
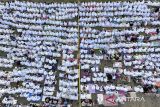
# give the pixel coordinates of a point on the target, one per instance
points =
(44, 46)
(119, 40)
